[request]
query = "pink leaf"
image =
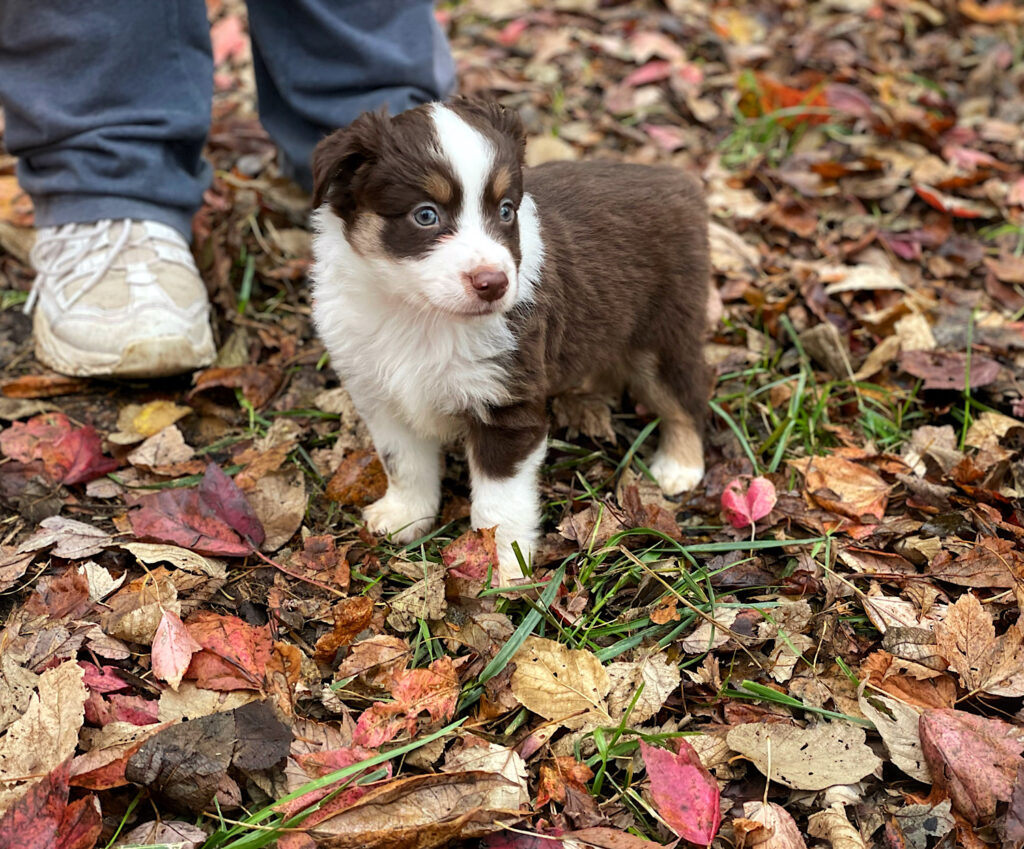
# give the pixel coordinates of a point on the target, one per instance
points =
(745, 501)
(684, 792)
(173, 648)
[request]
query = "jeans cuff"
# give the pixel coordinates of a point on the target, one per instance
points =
(55, 210)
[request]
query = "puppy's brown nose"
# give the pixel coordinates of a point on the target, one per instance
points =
(489, 285)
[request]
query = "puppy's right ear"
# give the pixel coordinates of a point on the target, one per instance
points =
(338, 158)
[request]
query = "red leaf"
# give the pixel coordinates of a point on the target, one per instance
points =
(471, 554)
(204, 520)
(653, 72)
(745, 501)
(379, 724)
(684, 792)
(70, 455)
(972, 758)
(228, 503)
(173, 648)
(234, 655)
(42, 818)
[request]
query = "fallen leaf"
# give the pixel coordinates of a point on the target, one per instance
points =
(683, 791)
(992, 562)
(834, 826)
(172, 649)
(897, 723)
(814, 758)
(233, 655)
(13, 564)
(659, 676)
(42, 385)
(948, 370)
(134, 613)
(71, 539)
(966, 638)
(153, 553)
(358, 481)
(472, 555)
(165, 448)
(45, 736)
(423, 600)
(136, 422)
(557, 775)
(43, 819)
(747, 500)
(165, 834)
(214, 518)
(259, 383)
(973, 758)
(375, 660)
(351, 615)
(425, 811)
(844, 487)
(767, 826)
(278, 504)
(561, 684)
(107, 751)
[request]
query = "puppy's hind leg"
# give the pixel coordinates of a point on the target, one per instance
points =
(677, 394)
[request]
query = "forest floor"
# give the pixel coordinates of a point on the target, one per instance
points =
(820, 645)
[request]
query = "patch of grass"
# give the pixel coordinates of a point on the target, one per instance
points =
(12, 299)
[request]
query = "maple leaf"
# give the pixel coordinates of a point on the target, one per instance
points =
(233, 655)
(747, 500)
(684, 793)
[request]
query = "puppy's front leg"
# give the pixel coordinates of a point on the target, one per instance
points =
(413, 466)
(505, 454)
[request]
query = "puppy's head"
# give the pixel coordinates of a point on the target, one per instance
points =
(430, 200)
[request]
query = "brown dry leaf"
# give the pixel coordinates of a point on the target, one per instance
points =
(358, 481)
(992, 562)
(423, 600)
(768, 826)
(558, 683)
(593, 526)
(844, 487)
(13, 564)
(708, 636)
(351, 615)
(812, 758)
(46, 735)
(152, 553)
(897, 723)
(989, 428)
(888, 673)
(834, 826)
(71, 539)
(165, 448)
(482, 756)
(135, 612)
(375, 660)
(659, 677)
(585, 413)
(191, 702)
(424, 811)
(42, 385)
(967, 640)
(279, 502)
(259, 383)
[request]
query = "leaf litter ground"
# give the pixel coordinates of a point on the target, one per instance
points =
(201, 647)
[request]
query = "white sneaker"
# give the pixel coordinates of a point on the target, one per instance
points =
(120, 298)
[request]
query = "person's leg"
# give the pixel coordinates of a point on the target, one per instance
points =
(320, 63)
(107, 106)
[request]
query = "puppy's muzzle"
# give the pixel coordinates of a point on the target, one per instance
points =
(487, 284)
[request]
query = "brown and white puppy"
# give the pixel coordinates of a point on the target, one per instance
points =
(456, 291)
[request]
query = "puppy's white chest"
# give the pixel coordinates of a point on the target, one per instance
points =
(427, 370)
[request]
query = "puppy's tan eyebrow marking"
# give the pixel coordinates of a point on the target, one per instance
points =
(438, 187)
(502, 183)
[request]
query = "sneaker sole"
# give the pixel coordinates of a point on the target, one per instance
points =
(159, 356)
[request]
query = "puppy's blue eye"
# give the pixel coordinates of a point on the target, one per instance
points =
(425, 216)
(507, 212)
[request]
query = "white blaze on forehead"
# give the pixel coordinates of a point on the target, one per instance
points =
(470, 155)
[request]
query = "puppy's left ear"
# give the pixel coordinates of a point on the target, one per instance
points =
(506, 121)
(338, 159)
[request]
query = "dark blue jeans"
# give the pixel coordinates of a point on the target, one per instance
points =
(107, 102)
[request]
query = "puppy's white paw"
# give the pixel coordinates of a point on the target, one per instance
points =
(404, 519)
(509, 570)
(672, 476)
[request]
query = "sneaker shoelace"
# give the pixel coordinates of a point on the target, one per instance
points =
(58, 252)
